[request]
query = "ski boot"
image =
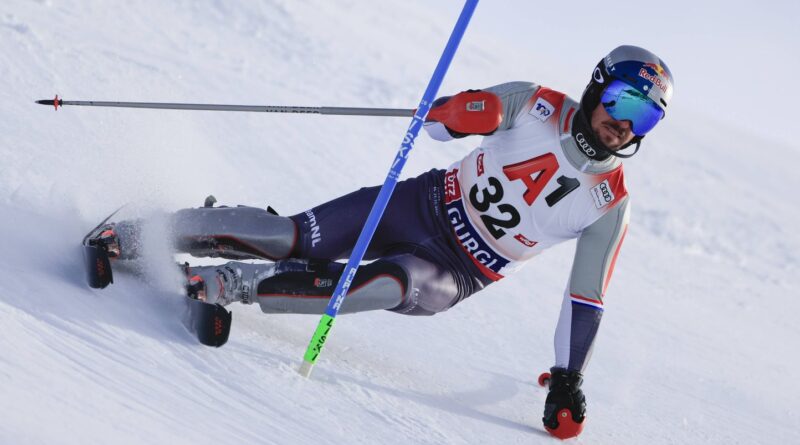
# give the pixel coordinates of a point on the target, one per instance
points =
(108, 239)
(226, 283)
(210, 288)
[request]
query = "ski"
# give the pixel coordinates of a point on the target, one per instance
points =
(96, 257)
(209, 323)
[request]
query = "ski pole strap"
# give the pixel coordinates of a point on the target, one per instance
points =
(342, 111)
(325, 325)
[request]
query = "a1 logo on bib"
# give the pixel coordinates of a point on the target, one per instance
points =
(542, 109)
(602, 194)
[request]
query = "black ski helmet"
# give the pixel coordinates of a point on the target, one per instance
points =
(637, 67)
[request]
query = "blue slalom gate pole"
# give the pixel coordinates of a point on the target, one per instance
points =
(325, 325)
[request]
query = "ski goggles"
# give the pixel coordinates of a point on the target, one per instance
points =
(625, 103)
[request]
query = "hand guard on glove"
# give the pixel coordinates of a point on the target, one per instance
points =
(468, 112)
(565, 407)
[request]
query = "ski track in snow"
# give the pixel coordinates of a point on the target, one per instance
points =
(699, 339)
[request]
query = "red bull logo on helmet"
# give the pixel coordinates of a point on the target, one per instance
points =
(658, 69)
(660, 79)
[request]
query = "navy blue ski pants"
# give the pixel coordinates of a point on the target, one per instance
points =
(414, 233)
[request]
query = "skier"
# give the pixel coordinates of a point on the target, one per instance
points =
(548, 170)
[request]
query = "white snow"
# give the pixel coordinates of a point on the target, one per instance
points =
(700, 336)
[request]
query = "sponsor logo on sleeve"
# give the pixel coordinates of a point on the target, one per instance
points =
(602, 194)
(542, 109)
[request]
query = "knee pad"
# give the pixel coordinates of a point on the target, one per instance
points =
(431, 288)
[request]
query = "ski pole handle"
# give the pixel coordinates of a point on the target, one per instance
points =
(341, 111)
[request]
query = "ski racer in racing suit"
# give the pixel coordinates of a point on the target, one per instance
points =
(547, 170)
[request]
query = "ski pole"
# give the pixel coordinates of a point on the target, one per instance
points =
(342, 111)
(325, 325)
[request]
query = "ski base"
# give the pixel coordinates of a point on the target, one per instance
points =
(210, 323)
(96, 261)
(97, 265)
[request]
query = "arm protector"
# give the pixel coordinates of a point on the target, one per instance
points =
(467, 113)
(501, 104)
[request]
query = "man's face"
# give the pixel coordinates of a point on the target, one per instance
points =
(612, 133)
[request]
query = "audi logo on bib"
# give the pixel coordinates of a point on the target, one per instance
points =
(584, 145)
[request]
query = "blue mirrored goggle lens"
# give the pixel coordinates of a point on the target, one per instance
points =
(623, 102)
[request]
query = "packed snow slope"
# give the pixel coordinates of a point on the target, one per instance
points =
(700, 336)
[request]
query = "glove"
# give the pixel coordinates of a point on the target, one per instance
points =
(565, 407)
(468, 112)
